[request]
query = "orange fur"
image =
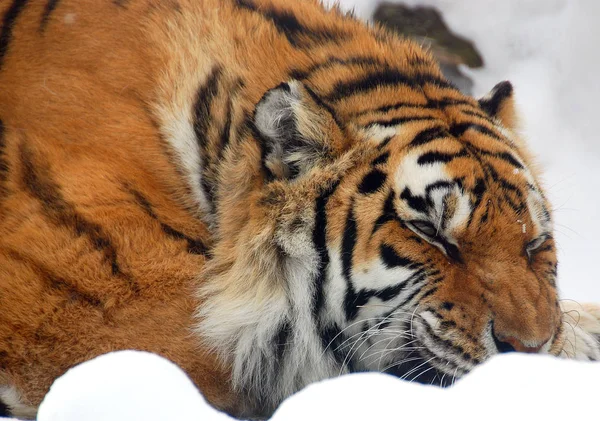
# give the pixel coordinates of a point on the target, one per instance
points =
(103, 245)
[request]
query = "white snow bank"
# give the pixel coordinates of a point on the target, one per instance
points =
(131, 385)
(548, 50)
(125, 385)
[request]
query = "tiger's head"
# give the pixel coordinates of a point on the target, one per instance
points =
(411, 238)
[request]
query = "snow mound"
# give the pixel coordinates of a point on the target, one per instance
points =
(126, 385)
(132, 385)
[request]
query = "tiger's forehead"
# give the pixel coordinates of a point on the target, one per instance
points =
(449, 175)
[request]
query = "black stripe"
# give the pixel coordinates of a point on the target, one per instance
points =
(348, 244)
(511, 187)
(50, 6)
(3, 161)
(430, 158)
(194, 246)
(484, 217)
(381, 159)
(352, 300)
(504, 156)
(429, 135)
(372, 182)
(370, 81)
(478, 114)
(39, 183)
(418, 203)
(319, 101)
(417, 277)
(297, 34)
(65, 287)
(385, 294)
(202, 118)
(517, 205)
(121, 3)
(4, 410)
(448, 102)
(388, 214)
(226, 130)
(391, 259)
(280, 341)
(426, 78)
(430, 104)
(385, 142)
(399, 120)
(8, 24)
(451, 348)
(499, 93)
(331, 62)
(459, 129)
(429, 292)
(478, 191)
(319, 238)
(331, 340)
(438, 185)
(396, 106)
(202, 106)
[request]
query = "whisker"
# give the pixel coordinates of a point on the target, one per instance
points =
(454, 377)
(417, 368)
(442, 380)
(399, 363)
(412, 319)
(421, 373)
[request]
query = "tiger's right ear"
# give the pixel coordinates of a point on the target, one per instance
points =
(297, 129)
(499, 103)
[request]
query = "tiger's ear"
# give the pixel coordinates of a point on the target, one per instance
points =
(297, 129)
(499, 103)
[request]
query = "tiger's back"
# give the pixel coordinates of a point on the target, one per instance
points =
(99, 250)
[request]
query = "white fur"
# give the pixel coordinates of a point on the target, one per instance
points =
(11, 397)
(177, 128)
(277, 105)
(582, 329)
(377, 134)
(253, 321)
(417, 177)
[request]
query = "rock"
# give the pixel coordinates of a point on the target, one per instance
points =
(426, 26)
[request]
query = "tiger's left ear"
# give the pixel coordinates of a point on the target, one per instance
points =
(499, 103)
(297, 129)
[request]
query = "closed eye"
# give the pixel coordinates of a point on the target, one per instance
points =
(424, 229)
(428, 232)
(535, 244)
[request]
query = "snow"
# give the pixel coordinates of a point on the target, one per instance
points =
(126, 385)
(547, 49)
(133, 385)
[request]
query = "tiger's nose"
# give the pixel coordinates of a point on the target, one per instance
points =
(512, 344)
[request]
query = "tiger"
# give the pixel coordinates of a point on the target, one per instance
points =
(267, 193)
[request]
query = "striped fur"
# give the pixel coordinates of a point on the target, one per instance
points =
(266, 192)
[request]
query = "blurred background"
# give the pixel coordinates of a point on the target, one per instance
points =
(548, 50)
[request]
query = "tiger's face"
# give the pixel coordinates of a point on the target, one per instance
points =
(441, 256)
(435, 246)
